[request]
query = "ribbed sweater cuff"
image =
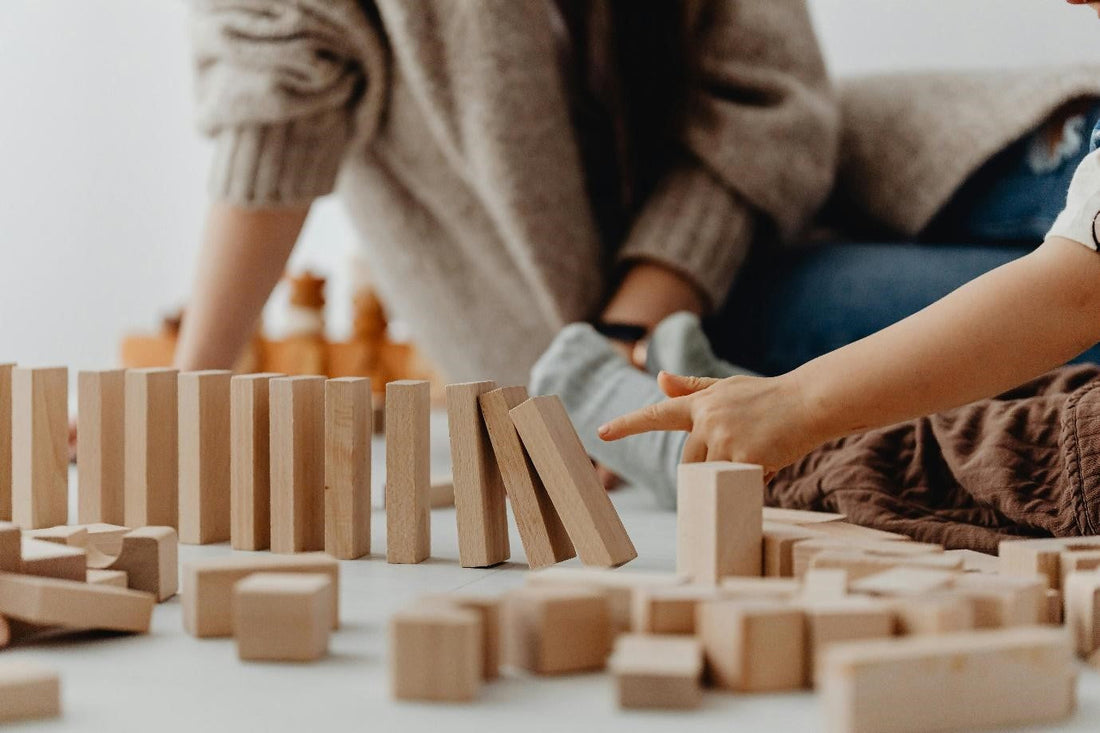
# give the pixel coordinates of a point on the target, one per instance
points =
(695, 226)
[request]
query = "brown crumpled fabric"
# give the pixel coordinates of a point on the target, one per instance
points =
(1025, 464)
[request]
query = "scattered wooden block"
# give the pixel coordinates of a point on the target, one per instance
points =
(976, 562)
(149, 557)
(800, 517)
(1004, 600)
(5, 442)
(846, 531)
(753, 645)
(760, 588)
(620, 587)
(74, 605)
(825, 584)
(1055, 613)
(479, 489)
(207, 591)
(803, 553)
(657, 671)
(63, 534)
(11, 552)
(441, 492)
(53, 560)
(1041, 556)
(408, 468)
(435, 653)
(585, 509)
(105, 538)
(905, 581)
(489, 610)
(1082, 610)
(555, 629)
(668, 609)
(959, 681)
(204, 457)
(779, 542)
(116, 578)
(937, 613)
(1077, 562)
(860, 564)
(152, 448)
(28, 691)
(832, 621)
(40, 446)
(250, 461)
(719, 520)
(100, 461)
(282, 616)
(297, 411)
(545, 541)
(348, 433)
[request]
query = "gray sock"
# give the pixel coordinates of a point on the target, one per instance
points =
(678, 345)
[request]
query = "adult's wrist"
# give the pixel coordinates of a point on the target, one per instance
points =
(648, 293)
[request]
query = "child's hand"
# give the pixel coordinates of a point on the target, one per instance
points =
(745, 419)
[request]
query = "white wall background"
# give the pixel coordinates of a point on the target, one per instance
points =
(102, 177)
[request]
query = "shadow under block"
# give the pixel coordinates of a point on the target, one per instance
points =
(348, 418)
(100, 457)
(5, 441)
(961, 681)
(250, 462)
(207, 591)
(1082, 611)
(282, 616)
(719, 520)
(204, 457)
(1041, 556)
(545, 541)
(149, 557)
(753, 645)
(655, 671)
(53, 560)
(408, 472)
(40, 446)
(480, 509)
(557, 629)
(152, 449)
(619, 586)
(586, 511)
(297, 411)
(435, 653)
(833, 621)
(28, 691)
(74, 604)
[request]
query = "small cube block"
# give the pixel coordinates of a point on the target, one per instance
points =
(436, 653)
(656, 671)
(753, 645)
(557, 629)
(28, 692)
(283, 616)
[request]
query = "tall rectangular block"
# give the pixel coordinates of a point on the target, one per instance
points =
(250, 462)
(40, 447)
(719, 520)
(204, 457)
(152, 448)
(100, 456)
(297, 412)
(5, 441)
(408, 472)
(349, 421)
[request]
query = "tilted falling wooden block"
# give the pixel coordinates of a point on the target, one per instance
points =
(619, 586)
(408, 471)
(545, 541)
(297, 410)
(435, 653)
(479, 489)
(204, 457)
(40, 446)
(74, 604)
(28, 691)
(348, 430)
(5, 441)
(100, 457)
(282, 616)
(250, 461)
(832, 621)
(53, 560)
(152, 448)
(753, 645)
(653, 671)
(1082, 610)
(149, 557)
(719, 520)
(557, 629)
(586, 511)
(961, 681)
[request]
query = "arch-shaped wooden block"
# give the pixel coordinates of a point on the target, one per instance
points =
(149, 557)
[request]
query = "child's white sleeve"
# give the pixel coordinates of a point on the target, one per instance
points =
(1079, 220)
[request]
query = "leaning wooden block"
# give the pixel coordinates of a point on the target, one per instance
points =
(585, 509)
(654, 671)
(11, 553)
(408, 471)
(489, 609)
(669, 609)
(1077, 562)
(435, 653)
(207, 591)
(72, 604)
(5, 442)
(962, 681)
(936, 613)
(1082, 609)
(100, 463)
(905, 581)
(40, 447)
(556, 629)
(619, 586)
(53, 560)
(116, 578)
(149, 557)
(832, 621)
(152, 448)
(753, 645)
(204, 457)
(1004, 600)
(1041, 556)
(719, 520)
(250, 461)
(347, 467)
(779, 542)
(297, 408)
(282, 617)
(28, 691)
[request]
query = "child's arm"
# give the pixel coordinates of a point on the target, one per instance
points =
(243, 255)
(990, 335)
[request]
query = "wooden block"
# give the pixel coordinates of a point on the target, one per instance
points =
(63, 534)
(830, 622)
(53, 560)
(825, 584)
(75, 605)
(5, 442)
(937, 613)
(960, 681)
(556, 629)
(149, 557)
(489, 610)
(1004, 600)
(250, 461)
(100, 460)
(800, 516)
(28, 691)
(152, 448)
(479, 489)
(719, 520)
(116, 578)
(1055, 612)
(1077, 562)
(761, 588)
(619, 586)
(860, 564)
(976, 562)
(668, 609)
(753, 645)
(348, 433)
(905, 581)
(803, 552)
(105, 538)
(207, 590)
(662, 672)
(441, 492)
(40, 447)
(1041, 556)
(779, 542)
(11, 552)
(5, 632)
(204, 457)
(408, 468)
(585, 509)
(282, 616)
(297, 412)
(545, 541)
(845, 531)
(1082, 610)
(435, 653)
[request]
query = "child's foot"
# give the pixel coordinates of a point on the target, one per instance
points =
(678, 345)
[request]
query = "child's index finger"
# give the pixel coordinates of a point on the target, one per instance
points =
(672, 414)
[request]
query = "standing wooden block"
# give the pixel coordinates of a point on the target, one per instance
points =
(250, 462)
(74, 604)
(962, 681)
(557, 629)
(657, 671)
(348, 417)
(28, 691)
(585, 509)
(719, 520)
(545, 541)
(152, 448)
(1082, 611)
(40, 447)
(204, 457)
(100, 462)
(149, 557)
(479, 490)
(905, 581)
(282, 616)
(849, 619)
(11, 553)
(408, 472)
(435, 653)
(5, 441)
(297, 409)
(753, 646)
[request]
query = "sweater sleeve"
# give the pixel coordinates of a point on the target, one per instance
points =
(283, 87)
(759, 143)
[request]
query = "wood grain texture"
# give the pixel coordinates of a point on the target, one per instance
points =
(204, 446)
(719, 520)
(545, 541)
(152, 448)
(408, 471)
(297, 411)
(348, 430)
(250, 462)
(5, 441)
(586, 511)
(100, 452)
(40, 446)
(435, 653)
